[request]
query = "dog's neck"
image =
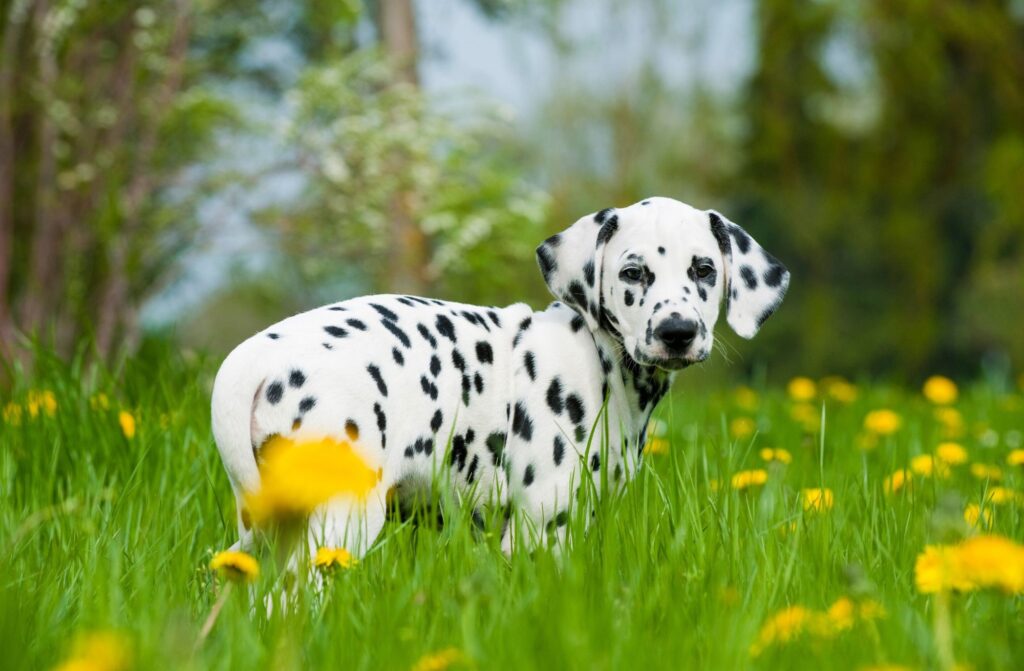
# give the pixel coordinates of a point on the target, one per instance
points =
(634, 387)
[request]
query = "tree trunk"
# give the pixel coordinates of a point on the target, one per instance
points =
(407, 270)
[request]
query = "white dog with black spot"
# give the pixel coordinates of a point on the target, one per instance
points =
(504, 403)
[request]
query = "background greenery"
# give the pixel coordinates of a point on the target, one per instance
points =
(876, 147)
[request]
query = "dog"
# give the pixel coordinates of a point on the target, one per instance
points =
(511, 406)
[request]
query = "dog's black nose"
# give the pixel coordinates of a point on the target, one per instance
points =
(677, 334)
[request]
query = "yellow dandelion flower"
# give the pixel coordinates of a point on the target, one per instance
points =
(41, 401)
(839, 389)
(922, 464)
(12, 414)
(297, 477)
(1015, 458)
(746, 398)
(1002, 496)
(937, 569)
(327, 558)
(99, 401)
(782, 627)
(742, 427)
(951, 454)
(776, 454)
(98, 651)
(841, 615)
(235, 565)
(752, 478)
(656, 445)
(869, 609)
(939, 390)
(439, 661)
(951, 420)
(882, 422)
(986, 471)
(807, 415)
(802, 389)
(993, 561)
(816, 499)
(976, 516)
(127, 422)
(898, 480)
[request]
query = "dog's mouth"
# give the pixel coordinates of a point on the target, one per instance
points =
(672, 363)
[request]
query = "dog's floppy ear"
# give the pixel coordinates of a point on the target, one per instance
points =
(571, 263)
(755, 281)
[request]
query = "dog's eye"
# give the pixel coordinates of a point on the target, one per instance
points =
(705, 270)
(631, 274)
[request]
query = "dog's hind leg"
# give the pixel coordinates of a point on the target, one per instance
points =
(347, 523)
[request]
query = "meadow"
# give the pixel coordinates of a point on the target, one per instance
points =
(770, 527)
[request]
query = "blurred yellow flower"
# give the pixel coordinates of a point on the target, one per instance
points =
(839, 389)
(784, 626)
(746, 398)
(656, 445)
(297, 477)
(98, 651)
(952, 454)
(986, 471)
(1003, 495)
(951, 420)
(897, 481)
(742, 427)
(99, 401)
(939, 390)
(744, 479)
(235, 565)
(926, 465)
(439, 661)
(978, 562)
(808, 416)
(12, 414)
(976, 516)
(882, 422)
(776, 454)
(127, 422)
(791, 623)
(802, 389)
(43, 401)
(327, 558)
(1015, 458)
(816, 499)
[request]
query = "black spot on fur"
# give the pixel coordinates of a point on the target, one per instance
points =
(531, 365)
(336, 308)
(494, 318)
(601, 216)
(336, 331)
(595, 462)
(465, 390)
(522, 425)
(661, 250)
(375, 374)
(523, 325)
(747, 273)
(457, 457)
(577, 295)
(554, 396)
(484, 352)
(427, 335)
(356, 324)
(275, 391)
(608, 229)
(306, 404)
(384, 312)
(478, 382)
(559, 450)
(296, 379)
(628, 297)
(429, 388)
(436, 420)
(457, 360)
(471, 472)
(546, 261)
(528, 476)
(273, 336)
(445, 327)
(397, 332)
(382, 423)
(741, 238)
(351, 429)
(577, 323)
(327, 345)
(435, 365)
(495, 445)
(773, 276)
(574, 404)
(399, 359)
(588, 273)
(580, 433)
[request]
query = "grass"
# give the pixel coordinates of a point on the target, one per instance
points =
(105, 533)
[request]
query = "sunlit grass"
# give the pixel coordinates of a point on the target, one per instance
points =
(109, 528)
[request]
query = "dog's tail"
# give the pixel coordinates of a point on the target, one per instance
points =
(235, 391)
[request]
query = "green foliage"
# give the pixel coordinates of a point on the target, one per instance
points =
(102, 532)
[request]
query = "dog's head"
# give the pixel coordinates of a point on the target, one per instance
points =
(654, 274)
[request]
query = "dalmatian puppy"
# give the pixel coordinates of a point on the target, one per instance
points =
(511, 406)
